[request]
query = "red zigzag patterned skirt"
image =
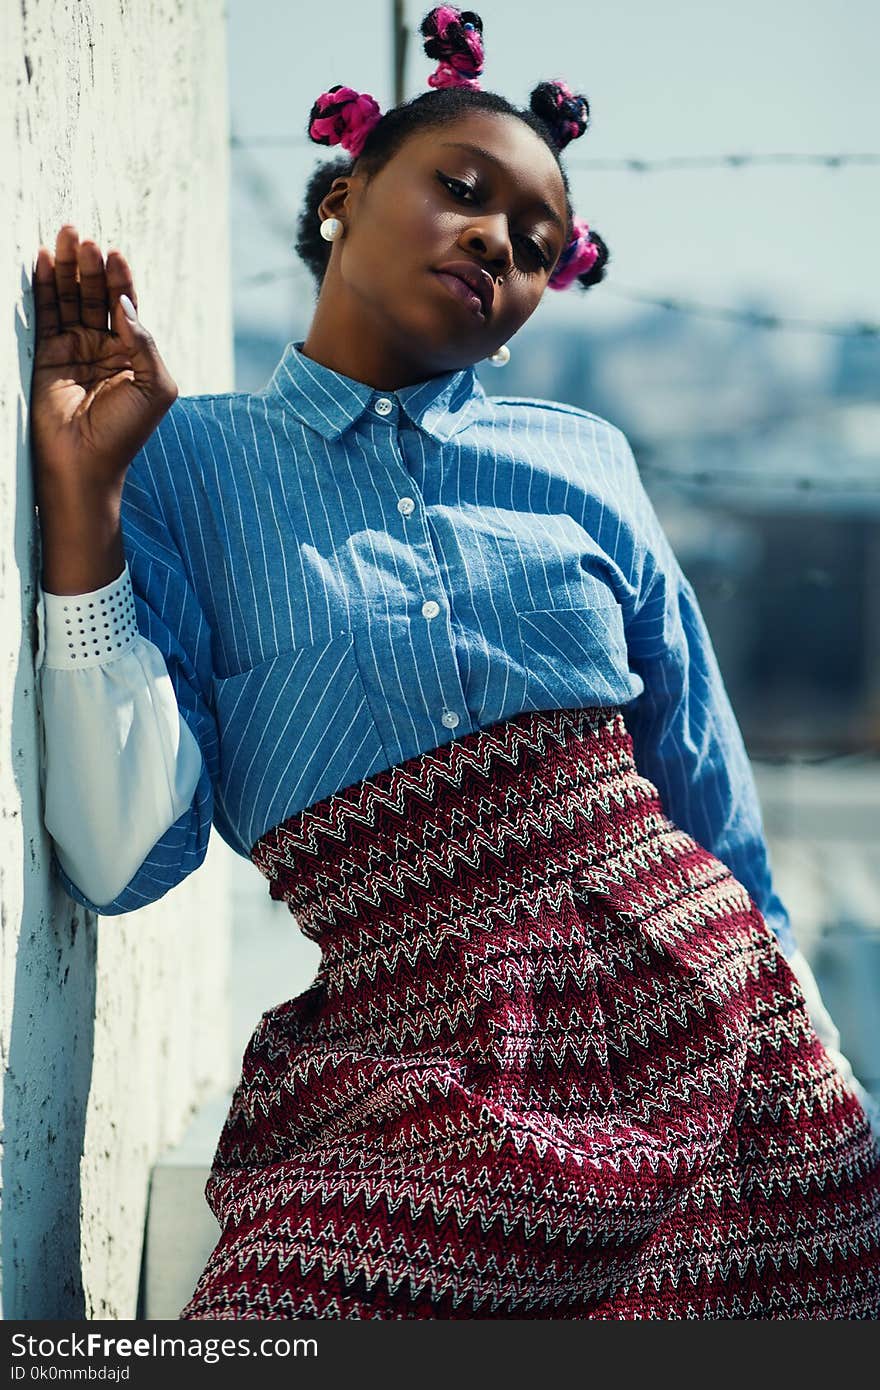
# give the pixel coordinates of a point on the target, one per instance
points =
(553, 1064)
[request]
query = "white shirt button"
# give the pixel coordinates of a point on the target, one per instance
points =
(405, 506)
(450, 718)
(430, 609)
(384, 406)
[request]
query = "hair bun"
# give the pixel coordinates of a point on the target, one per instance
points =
(455, 38)
(566, 113)
(342, 116)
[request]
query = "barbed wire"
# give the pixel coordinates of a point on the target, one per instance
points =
(721, 161)
(814, 577)
(626, 164)
(858, 757)
(756, 478)
(264, 277)
(754, 318)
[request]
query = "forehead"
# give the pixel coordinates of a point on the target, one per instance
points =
(521, 154)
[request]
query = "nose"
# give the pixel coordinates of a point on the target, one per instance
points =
(490, 240)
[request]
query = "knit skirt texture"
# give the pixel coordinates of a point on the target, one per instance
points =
(553, 1064)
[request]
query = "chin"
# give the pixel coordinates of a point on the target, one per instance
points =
(432, 344)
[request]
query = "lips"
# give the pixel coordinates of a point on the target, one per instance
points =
(470, 283)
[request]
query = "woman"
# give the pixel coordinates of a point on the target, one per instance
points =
(428, 659)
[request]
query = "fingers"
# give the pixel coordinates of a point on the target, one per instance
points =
(45, 297)
(119, 280)
(76, 287)
(66, 283)
(92, 286)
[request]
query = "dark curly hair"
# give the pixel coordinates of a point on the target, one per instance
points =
(429, 109)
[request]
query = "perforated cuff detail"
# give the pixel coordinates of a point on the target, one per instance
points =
(85, 630)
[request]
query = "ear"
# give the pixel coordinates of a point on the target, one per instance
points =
(340, 198)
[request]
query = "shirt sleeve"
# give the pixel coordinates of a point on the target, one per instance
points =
(129, 755)
(685, 735)
(829, 1037)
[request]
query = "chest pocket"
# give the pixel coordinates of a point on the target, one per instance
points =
(576, 655)
(292, 729)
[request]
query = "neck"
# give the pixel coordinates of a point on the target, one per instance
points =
(344, 336)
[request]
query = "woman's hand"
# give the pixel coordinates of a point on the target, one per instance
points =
(97, 392)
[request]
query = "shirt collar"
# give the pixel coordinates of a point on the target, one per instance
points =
(330, 403)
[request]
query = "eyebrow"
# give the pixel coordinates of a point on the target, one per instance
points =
(493, 159)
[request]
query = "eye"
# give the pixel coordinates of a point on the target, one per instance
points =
(458, 188)
(536, 250)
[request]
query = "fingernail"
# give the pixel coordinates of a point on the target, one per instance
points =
(128, 308)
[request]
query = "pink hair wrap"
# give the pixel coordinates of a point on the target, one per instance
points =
(342, 116)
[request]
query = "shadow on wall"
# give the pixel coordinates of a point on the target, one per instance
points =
(48, 1068)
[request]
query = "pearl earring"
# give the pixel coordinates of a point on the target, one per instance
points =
(331, 229)
(501, 357)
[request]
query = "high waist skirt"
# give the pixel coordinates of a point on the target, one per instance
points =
(553, 1064)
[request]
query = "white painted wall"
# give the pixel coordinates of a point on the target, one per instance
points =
(113, 116)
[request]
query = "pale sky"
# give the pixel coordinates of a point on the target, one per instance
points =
(681, 78)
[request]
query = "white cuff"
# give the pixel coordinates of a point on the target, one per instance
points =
(119, 765)
(83, 630)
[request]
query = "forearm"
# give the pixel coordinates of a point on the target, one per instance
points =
(81, 538)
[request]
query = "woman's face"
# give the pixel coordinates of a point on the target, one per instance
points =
(478, 199)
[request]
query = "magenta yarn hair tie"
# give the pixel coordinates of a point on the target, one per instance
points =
(572, 114)
(579, 256)
(566, 113)
(342, 116)
(455, 37)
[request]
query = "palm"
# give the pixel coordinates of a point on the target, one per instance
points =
(94, 398)
(83, 394)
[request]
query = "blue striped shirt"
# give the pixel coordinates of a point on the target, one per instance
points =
(340, 578)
